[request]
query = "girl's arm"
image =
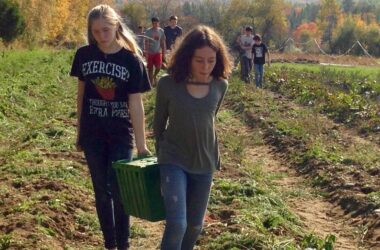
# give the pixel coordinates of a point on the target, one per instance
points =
(79, 111)
(136, 109)
(161, 114)
(222, 98)
(163, 47)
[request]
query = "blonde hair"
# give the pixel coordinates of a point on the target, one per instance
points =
(124, 36)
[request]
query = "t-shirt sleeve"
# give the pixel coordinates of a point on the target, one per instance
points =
(138, 81)
(265, 49)
(161, 112)
(224, 87)
(76, 67)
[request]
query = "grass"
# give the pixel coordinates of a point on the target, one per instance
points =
(37, 133)
(347, 95)
(368, 72)
(252, 210)
(44, 179)
(316, 146)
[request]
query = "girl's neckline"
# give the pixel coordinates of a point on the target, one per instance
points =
(199, 84)
(109, 53)
(191, 82)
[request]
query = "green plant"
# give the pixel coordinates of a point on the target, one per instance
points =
(5, 241)
(313, 241)
(88, 220)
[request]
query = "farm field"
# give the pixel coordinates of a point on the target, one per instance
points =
(300, 158)
(348, 95)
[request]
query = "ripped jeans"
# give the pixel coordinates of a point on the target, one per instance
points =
(185, 197)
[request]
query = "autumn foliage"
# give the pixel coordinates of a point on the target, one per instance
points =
(311, 28)
(55, 22)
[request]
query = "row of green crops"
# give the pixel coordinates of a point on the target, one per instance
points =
(347, 95)
(43, 179)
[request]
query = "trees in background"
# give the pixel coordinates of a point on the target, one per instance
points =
(335, 23)
(11, 22)
(162, 9)
(329, 16)
(134, 15)
(340, 26)
(55, 22)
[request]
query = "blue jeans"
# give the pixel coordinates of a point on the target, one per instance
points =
(259, 74)
(114, 223)
(185, 197)
(246, 68)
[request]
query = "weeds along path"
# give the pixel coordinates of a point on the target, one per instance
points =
(46, 197)
(342, 164)
(316, 213)
(349, 96)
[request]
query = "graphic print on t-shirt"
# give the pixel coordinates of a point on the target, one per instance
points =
(105, 86)
(259, 51)
(156, 36)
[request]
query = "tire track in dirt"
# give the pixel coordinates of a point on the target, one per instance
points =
(316, 213)
(353, 221)
(350, 183)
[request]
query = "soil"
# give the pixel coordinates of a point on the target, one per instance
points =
(341, 212)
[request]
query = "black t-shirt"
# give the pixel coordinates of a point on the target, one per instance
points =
(259, 53)
(109, 79)
(171, 35)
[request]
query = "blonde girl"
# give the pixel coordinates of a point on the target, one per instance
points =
(111, 78)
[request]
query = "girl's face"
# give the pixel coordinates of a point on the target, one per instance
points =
(104, 33)
(202, 63)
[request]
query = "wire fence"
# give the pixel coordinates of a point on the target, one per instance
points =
(321, 50)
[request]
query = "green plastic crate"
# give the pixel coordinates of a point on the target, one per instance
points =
(140, 189)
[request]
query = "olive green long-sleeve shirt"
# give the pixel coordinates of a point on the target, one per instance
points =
(184, 126)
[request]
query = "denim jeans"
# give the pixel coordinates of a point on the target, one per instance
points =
(114, 223)
(246, 68)
(259, 74)
(185, 197)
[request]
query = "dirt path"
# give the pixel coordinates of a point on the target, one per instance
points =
(317, 214)
(150, 236)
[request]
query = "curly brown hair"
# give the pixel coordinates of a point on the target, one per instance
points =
(180, 62)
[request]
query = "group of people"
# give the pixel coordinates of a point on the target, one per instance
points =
(156, 42)
(111, 81)
(252, 53)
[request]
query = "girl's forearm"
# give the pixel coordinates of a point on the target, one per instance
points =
(136, 109)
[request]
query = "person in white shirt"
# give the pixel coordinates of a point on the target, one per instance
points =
(246, 43)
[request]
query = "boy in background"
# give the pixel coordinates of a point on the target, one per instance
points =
(259, 51)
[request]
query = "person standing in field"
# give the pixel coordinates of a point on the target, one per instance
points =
(172, 32)
(187, 102)
(155, 49)
(140, 38)
(111, 78)
(259, 51)
(246, 42)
